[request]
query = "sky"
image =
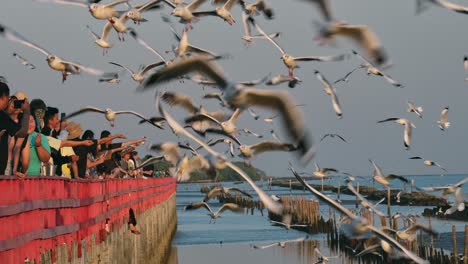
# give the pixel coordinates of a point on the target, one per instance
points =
(427, 51)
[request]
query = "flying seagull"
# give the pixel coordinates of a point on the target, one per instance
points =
(103, 40)
(279, 79)
(333, 136)
(249, 151)
(364, 202)
(412, 108)
(330, 91)
(371, 69)
(384, 180)
(24, 61)
(98, 11)
(223, 12)
(140, 75)
(429, 163)
(54, 62)
(214, 215)
(224, 190)
(408, 128)
(410, 233)
(281, 243)
(443, 122)
(223, 140)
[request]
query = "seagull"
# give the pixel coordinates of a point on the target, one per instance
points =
(407, 132)
(135, 13)
(446, 190)
(185, 11)
(269, 203)
(255, 116)
(364, 202)
(204, 81)
(217, 96)
(248, 151)
(362, 34)
(330, 91)
(23, 61)
(322, 172)
(98, 11)
(186, 166)
(281, 243)
(410, 233)
(333, 136)
(371, 69)
(155, 120)
(248, 32)
(384, 180)
(223, 140)
(102, 41)
(238, 95)
(185, 47)
(286, 225)
(459, 203)
(180, 99)
(279, 79)
(413, 109)
(223, 12)
(274, 136)
(248, 131)
(429, 163)
(291, 61)
(110, 79)
(443, 122)
(398, 196)
(465, 63)
(108, 113)
(54, 62)
(227, 127)
(214, 215)
(358, 224)
(118, 23)
(170, 151)
(346, 77)
(140, 76)
(223, 190)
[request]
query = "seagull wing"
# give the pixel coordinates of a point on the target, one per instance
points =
(151, 66)
(121, 66)
(323, 80)
(135, 114)
(202, 117)
(169, 3)
(271, 146)
(393, 176)
(388, 119)
(205, 13)
(260, 30)
(265, 246)
(247, 29)
(134, 34)
(194, 206)
(233, 189)
(86, 69)
(96, 36)
(231, 207)
(321, 58)
(212, 193)
(454, 7)
(65, 2)
(444, 114)
(229, 4)
(460, 183)
(116, 3)
(195, 4)
(84, 110)
(201, 65)
(416, 158)
(377, 170)
(14, 36)
(181, 100)
(201, 51)
(150, 161)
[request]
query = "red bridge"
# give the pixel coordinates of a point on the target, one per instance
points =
(40, 214)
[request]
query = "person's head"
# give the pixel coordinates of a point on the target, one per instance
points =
(4, 96)
(134, 155)
(11, 106)
(38, 109)
(51, 118)
(32, 124)
(74, 130)
(87, 135)
(105, 134)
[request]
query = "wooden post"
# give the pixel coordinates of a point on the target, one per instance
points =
(432, 237)
(338, 193)
(465, 253)
(454, 238)
(357, 199)
(412, 185)
(290, 185)
(404, 186)
(322, 184)
(389, 211)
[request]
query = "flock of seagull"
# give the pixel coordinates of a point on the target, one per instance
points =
(198, 65)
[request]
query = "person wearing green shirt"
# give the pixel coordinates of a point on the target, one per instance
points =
(40, 152)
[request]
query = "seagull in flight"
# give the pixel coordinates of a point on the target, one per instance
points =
(429, 162)
(24, 61)
(330, 91)
(224, 190)
(384, 180)
(109, 114)
(249, 151)
(412, 108)
(54, 62)
(223, 12)
(371, 69)
(98, 11)
(333, 136)
(103, 40)
(443, 122)
(214, 215)
(281, 243)
(140, 75)
(408, 128)
(279, 79)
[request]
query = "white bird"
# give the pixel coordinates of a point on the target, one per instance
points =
(384, 180)
(429, 163)
(223, 140)
(322, 172)
(248, 32)
(459, 203)
(103, 40)
(364, 202)
(279, 79)
(444, 4)
(371, 69)
(110, 79)
(170, 151)
(286, 225)
(224, 190)
(410, 233)
(346, 77)
(223, 12)
(259, 6)
(140, 75)
(240, 96)
(398, 196)
(186, 48)
(24, 61)
(108, 113)
(269, 203)
(140, 41)
(214, 215)
(98, 11)
(465, 63)
(54, 62)
(290, 61)
(135, 13)
(249, 151)
(412, 108)
(330, 91)
(185, 11)
(446, 190)
(443, 122)
(281, 243)
(408, 128)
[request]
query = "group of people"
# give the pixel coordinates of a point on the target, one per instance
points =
(35, 141)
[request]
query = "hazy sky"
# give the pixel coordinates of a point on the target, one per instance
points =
(427, 51)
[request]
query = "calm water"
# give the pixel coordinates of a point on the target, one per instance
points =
(229, 240)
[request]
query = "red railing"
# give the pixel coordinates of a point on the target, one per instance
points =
(41, 213)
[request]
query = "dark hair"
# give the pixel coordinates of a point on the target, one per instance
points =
(88, 134)
(50, 112)
(4, 89)
(37, 104)
(105, 133)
